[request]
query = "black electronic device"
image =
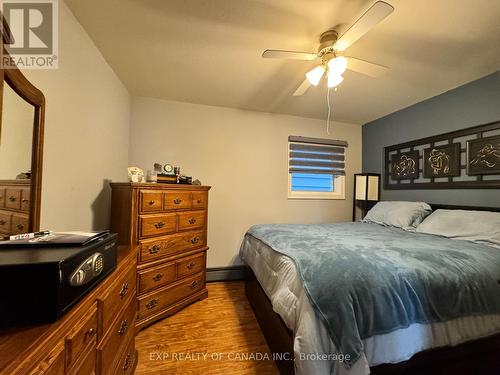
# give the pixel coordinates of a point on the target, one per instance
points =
(39, 284)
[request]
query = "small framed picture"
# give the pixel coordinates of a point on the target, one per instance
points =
(442, 161)
(404, 166)
(483, 156)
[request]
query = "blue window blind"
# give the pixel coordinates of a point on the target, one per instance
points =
(314, 163)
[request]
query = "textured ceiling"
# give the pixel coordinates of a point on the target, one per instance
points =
(209, 51)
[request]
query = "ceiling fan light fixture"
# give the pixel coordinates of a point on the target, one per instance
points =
(337, 65)
(314, 76)
(334, 79)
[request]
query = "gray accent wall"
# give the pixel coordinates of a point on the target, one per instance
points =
(474, 103)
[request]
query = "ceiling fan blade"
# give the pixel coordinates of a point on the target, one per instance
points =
(366, 67)
(281, 54)
(365, 23)
(302, 88)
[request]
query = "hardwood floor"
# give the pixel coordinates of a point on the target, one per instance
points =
(218, 335)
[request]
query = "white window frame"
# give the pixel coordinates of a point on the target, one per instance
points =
(337, 193)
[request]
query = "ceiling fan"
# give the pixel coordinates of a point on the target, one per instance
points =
(331, 48)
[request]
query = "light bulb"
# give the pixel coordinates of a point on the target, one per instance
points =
(315, 75)
(337, 65)
(334, 79)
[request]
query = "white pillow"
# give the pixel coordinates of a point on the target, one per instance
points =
(478, 226)
(406, 215)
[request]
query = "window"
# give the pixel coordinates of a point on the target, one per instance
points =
(316, 168)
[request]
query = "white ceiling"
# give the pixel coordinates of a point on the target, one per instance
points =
(209, 51)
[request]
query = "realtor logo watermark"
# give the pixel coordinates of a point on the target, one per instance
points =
(33, 26)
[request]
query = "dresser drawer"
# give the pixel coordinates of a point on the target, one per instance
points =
(157, 276)
(157, 225)
(151, 200)
(170, 245)
(164, 297)
(82, 337)
(200, 199)
(117, 296)
(25, 199)
(174, 200)
(20, 224)
(127, 361)
(86, 365)
(13, 199)
(5, 222)
(114, 342)
(191, 265)
(191, 220)
(53, 364)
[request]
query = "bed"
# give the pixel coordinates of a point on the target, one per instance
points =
(292, 327)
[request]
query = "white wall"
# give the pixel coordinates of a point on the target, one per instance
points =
(243, 156)
(86, 131)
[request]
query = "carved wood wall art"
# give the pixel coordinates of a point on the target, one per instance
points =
(462, 159)
(483, 156)
(405, 165)
(442, 161)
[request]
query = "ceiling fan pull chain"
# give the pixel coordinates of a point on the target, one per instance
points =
(329, 111)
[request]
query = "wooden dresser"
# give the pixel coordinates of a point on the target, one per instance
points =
(14, 206)
(169, 222)
(97, 336)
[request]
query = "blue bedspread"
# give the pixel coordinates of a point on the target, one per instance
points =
(366, 279)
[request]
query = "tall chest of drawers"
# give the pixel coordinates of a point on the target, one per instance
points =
(14, 206)
(169, 223)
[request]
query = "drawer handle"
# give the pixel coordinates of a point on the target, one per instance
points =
(192, 220)
(127, 363)
(151, 203)
(90, 332)
(152, 304)
(159, 225)
(157, 277)
(154, 249)
(195, 240)
(198, 201)
(177, 201)
(25, 200)
(2, 222)
(190, 265)
(20, 226)
(124, 290)
(12, 199)
(193, 285)
(123, 328)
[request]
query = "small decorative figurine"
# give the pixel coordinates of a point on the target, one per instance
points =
(158, 167)
(135, 174)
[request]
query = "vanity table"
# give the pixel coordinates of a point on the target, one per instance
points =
(97, 335)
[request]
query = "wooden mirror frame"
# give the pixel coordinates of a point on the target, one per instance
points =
(25, 89)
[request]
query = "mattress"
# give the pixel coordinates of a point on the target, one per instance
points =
(313, 348)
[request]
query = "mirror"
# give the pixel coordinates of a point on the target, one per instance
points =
(16, 136)
(22, 109)
(16, 144)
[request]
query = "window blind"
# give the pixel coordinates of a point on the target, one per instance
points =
(316, 155)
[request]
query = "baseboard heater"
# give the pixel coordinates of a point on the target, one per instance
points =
(230, 273)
